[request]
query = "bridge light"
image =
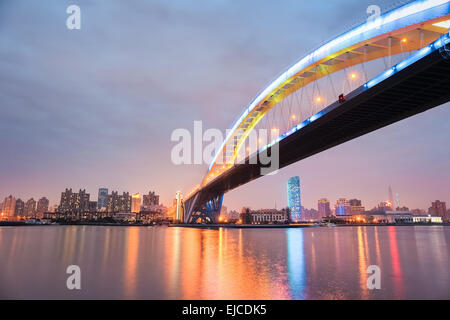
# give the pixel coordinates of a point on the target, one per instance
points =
(293, 117)
(404, 40)
(353, 75)
(318, 99)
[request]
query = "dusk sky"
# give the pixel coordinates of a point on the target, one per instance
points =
(96, 107)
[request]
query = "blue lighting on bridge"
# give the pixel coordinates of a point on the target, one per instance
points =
(443, 40)
(401, 17)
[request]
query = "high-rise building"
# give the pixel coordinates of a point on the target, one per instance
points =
(9, 206)
(20, 208)
(342, 207)
(293, 197)
(30, 208)
(323, 206)
(150, 199)
(356, 207)
(74, 202)
(438, 208)
(119, 203)
(42, 206)
(93, 206)
(391, 197)
(102, 198)
(136, 203)
(179, 210)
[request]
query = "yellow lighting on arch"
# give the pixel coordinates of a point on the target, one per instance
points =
(318, 99)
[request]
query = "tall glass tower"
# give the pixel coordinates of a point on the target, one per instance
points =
(293, 196)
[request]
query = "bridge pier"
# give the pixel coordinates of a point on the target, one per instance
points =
(197, 211)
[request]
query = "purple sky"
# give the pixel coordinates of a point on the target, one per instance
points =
(96, 107)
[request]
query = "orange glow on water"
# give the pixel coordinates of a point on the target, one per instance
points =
(396, 268)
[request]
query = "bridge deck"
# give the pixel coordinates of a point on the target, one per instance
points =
(423, 85)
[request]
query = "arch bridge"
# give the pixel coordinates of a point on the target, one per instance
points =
(376, 74)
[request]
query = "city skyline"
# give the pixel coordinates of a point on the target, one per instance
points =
(152, 198)
(97, 124)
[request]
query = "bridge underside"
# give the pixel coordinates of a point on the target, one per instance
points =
(423, 85)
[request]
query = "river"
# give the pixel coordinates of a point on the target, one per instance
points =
(190, 263)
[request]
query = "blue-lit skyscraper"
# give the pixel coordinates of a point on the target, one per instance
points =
(293, 195)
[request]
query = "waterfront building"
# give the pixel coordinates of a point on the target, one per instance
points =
(20, 208)
(438, 208)
(136, 203)
(342, 207)
(9, 206)
(42, 207)
(356, 207)
(265, 216)
(179, 210)
(310, 214)
(427, 219)
(150, 199)
(30, 208)
(74, 203)
(293, 197)
(119, 203)
(385, 206)
(323, 206)
(102, 199)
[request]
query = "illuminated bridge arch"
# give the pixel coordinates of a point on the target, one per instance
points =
(399, 32)
(404, 62)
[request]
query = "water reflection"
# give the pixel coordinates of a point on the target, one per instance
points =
(296, 263)
(131, 254)
(187, 263)
(396, 266)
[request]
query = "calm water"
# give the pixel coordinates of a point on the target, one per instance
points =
(182, 263)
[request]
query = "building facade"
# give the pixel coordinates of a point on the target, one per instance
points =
(30, 208)
(293, 197)
(385, 206)
(356, 206)
(20, 208)
(323, 206)
(136, 203)
(150, 199)
(342, 207)
(119, 203)
(9, 207)
(265, 216)
(42, 206)
(102, 199)
(74, 203)
(439, 209)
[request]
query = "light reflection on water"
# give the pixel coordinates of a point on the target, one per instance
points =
(187, 263)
